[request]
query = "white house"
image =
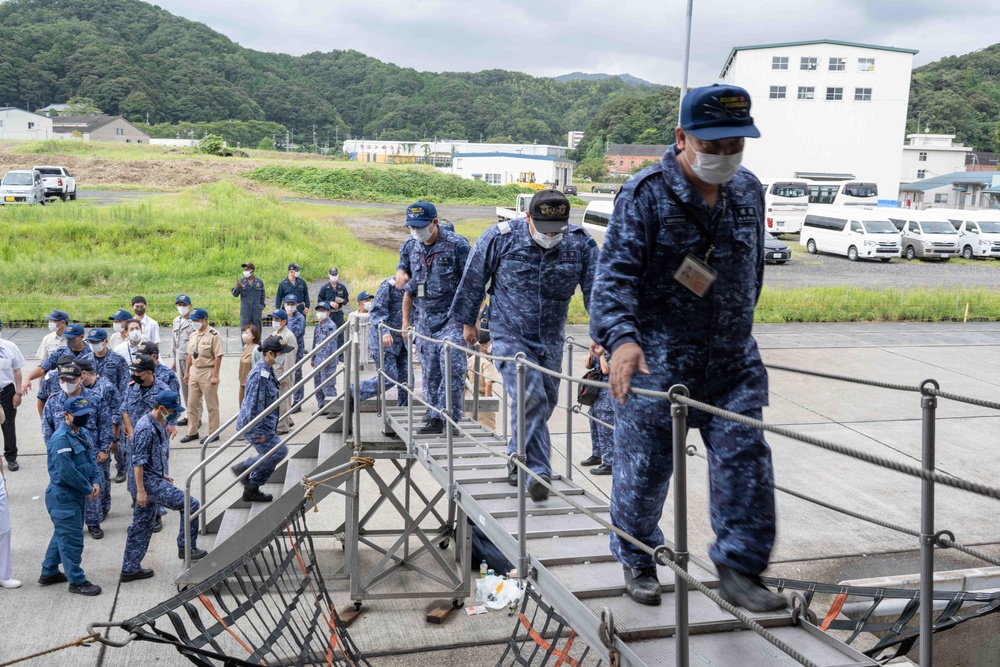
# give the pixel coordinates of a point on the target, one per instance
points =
(826, 109)
(961, 189)
(504, 168)
(927, 155)
(20, 125)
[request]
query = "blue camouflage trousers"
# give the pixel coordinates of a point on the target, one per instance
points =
(395, 368)
(329, 391)
(741, 484)
(160, 493)
(299, 353)
(602, 438)
(261, 474)
(432, 370)
(541, 395)
(99, 507)
(66, 546)
(120, 466)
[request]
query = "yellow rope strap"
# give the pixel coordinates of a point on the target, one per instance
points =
(79, 641)
(311, 484)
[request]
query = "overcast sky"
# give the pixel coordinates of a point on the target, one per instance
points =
(644, 38)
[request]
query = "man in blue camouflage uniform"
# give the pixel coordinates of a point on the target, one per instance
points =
(154, 488)
(677, 224)
(387, 309)
(297, 327)
(532, 266)
(108, 408)
(112, 367)
(50, 382)
(432, 261)
(324, 329)
(70, 385)
(261, 392)
(162, 372)
(74, 347)
(73, 477)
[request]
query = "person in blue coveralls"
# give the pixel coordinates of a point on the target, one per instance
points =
(73, 477)
(112, 367)
(431, 263)
(387, 308)
(533, 266)
(262, 392)
(297, 326)
(325, 327)
(680, 273)
(154, 488)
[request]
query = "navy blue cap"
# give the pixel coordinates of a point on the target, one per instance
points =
(148, 347)
(199, 314)
(142, 362)
(420, 214)
(290, 298)
(69, 370)
(364, 296)
(73, 331)
(96, 335)
(294, 267)
(78, 405)
(717, 112)
(279, 315)
(85, 364)
(171, 400)
(275, 344)
(121, 316)
(183, 298)
(323, 305)
(58, 315)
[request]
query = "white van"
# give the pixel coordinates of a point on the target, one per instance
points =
(785, 203)
(595, 219)
(843, 193)
(850, 231)
(978, 231)
(927, 234)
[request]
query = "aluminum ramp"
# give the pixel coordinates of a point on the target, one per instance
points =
(573, 569)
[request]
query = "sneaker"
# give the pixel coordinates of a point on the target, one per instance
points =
(748, 591)
(120, 477)
(253, 494)
(13, 466)
(433, 426)
(538, 491)
(143, 573)
(591, 461)
(196, 554)
(642, 585)
(10, 583)
(189, 438)
(86, 588)
(603, 469)
(157, 524)
(95, 532)
(50, 579)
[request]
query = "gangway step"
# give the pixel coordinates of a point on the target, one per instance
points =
(570, 550)
(563, 524)
(233, 519)
(295, 470)
(469, 461)
(274, 489)
(500, 508)
(606, 579)
(502, 489)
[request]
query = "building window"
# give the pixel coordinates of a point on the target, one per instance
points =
(866, 64)
(493, 179)
(621, 163)
(941, 199)
(779, 62)
(921, 173)
(808, 64)
(31, 126)
(838, 64)
(119, 131)
(834, 94)
(777, 92)
(922, 156)
(862, 94)
(807, 93)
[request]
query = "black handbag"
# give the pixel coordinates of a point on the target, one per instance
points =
(586, 394)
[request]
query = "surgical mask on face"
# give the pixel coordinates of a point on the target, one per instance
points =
(333, 280)
(321, 315)
(183, 310)
(276, 324)
(716, 169)
(422, 234)
(135, 335)
(247, 274)
(68, 387)
(545, 240)
(97, 348)
(290, 309)
(81, 420)
(295, 274)
(117, 327)
(52, 326)
(247, 337)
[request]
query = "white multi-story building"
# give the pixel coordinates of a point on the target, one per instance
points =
(927, 155)
(507, 168)
(574, 138)
(826, 109)
(20, 125)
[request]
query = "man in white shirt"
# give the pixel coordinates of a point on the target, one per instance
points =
(58, 319)
(180, 334)
(150, 327)
(130, 348)
(11, 362)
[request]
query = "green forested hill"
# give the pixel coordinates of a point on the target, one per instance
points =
(133, 58)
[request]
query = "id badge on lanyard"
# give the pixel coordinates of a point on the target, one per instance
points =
(694, 272)
(422, 285)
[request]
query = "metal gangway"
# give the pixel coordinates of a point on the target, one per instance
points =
(559, 546)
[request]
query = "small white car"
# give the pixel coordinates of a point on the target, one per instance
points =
(22, 186)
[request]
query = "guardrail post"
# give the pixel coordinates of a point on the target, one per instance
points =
(345, 414)
(678, 416)
(928, 405)
(476, 365)
(570, 401)
(522, 510)
(354, 386)
(409, 385)
(448, 407)
(381, 387)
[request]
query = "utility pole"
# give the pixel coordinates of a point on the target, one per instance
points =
(288, 141)
(314, 138)
(687, 58)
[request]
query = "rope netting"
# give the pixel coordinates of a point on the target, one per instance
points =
(542, 638)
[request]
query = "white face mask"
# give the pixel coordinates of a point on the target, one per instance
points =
(290, 309)
(716, 169)
(246, 337)
(52, 326)
(321, 315)
(183, 310)
(422, 234)
(295, 274)
(277, 324)
(545, 240)
(117, 327)
(333, 280)
(134, 335)
(68, 387)
(247, 274)
(97, 348)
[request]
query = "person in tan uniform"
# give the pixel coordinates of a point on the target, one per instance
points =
(279, 318)
(201, 375)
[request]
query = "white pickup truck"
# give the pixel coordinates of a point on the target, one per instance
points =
(58, 182)
(518, 211)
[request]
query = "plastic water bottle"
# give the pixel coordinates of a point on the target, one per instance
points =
(483, 569)
(490, 572)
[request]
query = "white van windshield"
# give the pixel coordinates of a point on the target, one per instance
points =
(879, 227)
(936, 227)
(990, 227)
(17, 179)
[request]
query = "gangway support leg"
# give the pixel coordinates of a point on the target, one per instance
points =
(678, 415)
(928, 405)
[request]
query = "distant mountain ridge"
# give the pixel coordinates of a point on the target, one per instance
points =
(600, 76)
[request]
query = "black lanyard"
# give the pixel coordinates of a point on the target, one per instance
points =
(693, 218)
